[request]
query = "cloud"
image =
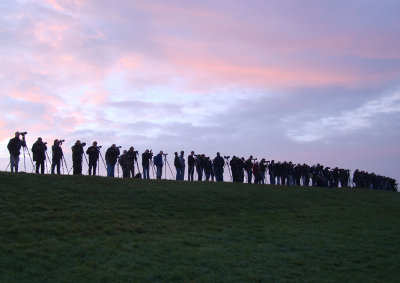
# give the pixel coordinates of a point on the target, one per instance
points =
(346, 122)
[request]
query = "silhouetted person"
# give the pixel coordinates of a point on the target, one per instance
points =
(14, 147)
(39, 154)
(56, 157)
(93, 154)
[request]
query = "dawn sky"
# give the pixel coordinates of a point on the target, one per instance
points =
(302, 81)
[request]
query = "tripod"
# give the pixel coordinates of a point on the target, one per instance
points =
(137, 164)
(25, 148)
(48, 158)
(84, 154)
(167, 163)
(152, 168)
(98, 163)
(65, 162)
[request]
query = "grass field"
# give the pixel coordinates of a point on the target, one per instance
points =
(94, 229)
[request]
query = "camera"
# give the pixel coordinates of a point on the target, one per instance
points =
(83, 144)
(136, 151)
(254, 159)
(45, 143)
(197, 155)
(118, 147)
(61, 141)
(165, 154)
(98, 147)
(227, 157)
(23, 133)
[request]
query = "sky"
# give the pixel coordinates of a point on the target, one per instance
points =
(303, 81)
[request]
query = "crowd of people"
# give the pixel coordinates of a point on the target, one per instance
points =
(207, 169)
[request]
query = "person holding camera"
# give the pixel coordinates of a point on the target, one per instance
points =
(131, 159)
(158, 162)
(124, 162)
(93, 153)
(14, 147)
(39, 154)
(77, 152)
(57, 156)
(112, 154)
(146, 157)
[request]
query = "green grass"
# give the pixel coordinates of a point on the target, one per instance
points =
(94, 229)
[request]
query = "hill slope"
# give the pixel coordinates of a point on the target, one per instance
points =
(65, 228)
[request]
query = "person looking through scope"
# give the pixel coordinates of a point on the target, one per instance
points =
(146, 157)
(39, 154)
(14, 147)
(77, 153)
(93, 153)
(123, 161)
(158, 162)
(131, 159)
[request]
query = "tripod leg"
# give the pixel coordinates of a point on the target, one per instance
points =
(165, 165)
(24, 160)
(173, 176)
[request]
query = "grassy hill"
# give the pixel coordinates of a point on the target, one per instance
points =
(65, 228)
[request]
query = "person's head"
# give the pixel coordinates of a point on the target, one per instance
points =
(114, 146)
(147, 151)
(176, 154)
(95, 143)
(161, 152)
(39, 139)
(17, 134)
(182, 152)
(131, 148)
(78, 142)
(56, 142)
(124, 152)
(217, 153)
(192, 153)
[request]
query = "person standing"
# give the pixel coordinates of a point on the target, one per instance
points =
(111, 157)
(57, 157)
(93, 153)
(123, 161)
(256, 173)
(219, 167)
(158, 162)
(146, 156)
(177, 165)
(14, 147)
(182, 161)
(132, 158)
(77, 152)
(249, 168)
(191, 163)
(39, 154)
(271, 170)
